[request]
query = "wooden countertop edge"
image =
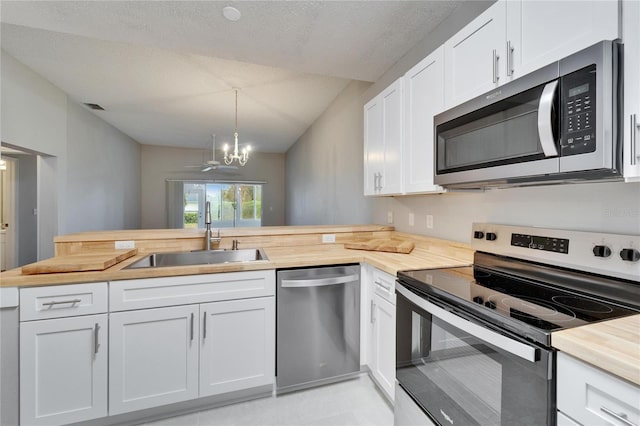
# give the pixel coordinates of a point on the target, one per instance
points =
(613, 346)
(160, 234)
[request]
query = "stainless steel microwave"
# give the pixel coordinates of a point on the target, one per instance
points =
(557, 124)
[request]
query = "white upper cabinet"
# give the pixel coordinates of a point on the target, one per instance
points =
(473, 57)
(373, 147)
(541, 32)
(631, 122)
(424, 98)
(513, 38)
(383, 142)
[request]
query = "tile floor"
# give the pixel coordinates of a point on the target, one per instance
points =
(350, 403)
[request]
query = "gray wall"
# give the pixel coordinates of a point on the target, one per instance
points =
(103, 175)
(325, 166)
(160, 163)
(86, 168)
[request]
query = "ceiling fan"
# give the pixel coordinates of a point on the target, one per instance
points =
(212, 164)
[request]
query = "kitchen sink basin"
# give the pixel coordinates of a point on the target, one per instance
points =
(210, 257)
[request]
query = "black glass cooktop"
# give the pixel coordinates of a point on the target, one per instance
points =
(531, 304)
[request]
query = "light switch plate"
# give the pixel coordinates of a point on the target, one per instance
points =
(389, 217)
(411, 219)
(430, 221)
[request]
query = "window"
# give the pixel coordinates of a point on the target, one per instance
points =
(232, 204)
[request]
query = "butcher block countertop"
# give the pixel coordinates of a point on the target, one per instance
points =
(286, 247)
(613, 345)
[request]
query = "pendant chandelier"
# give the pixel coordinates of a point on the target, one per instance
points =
(240, 157)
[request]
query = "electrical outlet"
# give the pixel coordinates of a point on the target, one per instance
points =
(120, 245)
(429, 221)
(411, 219)
(389, 217)
(328, 238)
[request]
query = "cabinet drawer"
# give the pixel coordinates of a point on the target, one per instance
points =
(384, 285)
(63, 301)
(594, 397)
(181, 290)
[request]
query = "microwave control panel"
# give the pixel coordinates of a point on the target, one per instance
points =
(578, 100)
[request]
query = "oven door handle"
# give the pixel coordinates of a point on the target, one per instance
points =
(505, 343)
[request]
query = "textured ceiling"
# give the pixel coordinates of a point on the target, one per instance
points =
(164, 71)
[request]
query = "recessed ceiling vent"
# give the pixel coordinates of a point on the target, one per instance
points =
(95, 107)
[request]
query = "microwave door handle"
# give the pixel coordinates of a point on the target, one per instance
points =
(545, 127)
(505, 343)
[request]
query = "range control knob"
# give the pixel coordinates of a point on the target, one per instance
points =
(478, 235)
(489, 304)
(491, 236)
(478, 300)
(601, 251)
(630, 255)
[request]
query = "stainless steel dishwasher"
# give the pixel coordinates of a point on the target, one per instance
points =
(318, 326)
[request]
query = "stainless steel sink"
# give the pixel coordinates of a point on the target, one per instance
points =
(211, 257)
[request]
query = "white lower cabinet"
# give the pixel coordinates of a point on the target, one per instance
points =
(237, 345)
(63, 370)
(589, 396)
(382, 332)
(153, 357)
(163, 355)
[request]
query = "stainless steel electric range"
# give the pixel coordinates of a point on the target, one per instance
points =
(473, 344)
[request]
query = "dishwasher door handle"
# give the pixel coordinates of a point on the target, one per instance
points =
(318, 282)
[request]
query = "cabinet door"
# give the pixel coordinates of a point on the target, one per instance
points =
(631, 129)
(237, 345)
(424, 98)
(473, 56)
(541, 32)
(63, 370)
(383, 339)
(373, 146)
(391, 102)
(153, 357)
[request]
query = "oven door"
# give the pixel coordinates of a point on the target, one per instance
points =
(462, 372)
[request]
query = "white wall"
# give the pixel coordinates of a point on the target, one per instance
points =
(325, 166)
(76, 147)
(159, 163)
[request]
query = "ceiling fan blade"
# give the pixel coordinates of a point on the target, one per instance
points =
(206, 169)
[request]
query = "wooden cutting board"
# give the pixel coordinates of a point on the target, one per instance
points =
(80, 262)
(392, 246)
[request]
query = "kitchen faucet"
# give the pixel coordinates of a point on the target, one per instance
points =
(208, 235)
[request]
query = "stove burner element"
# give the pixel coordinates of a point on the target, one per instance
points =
(534, 307)
(582, 304)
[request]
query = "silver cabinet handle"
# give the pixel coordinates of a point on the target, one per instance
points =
(380, 181)
(96, 344)
(321, 281)
(509, 58)
(545, 128)
(192, 326)
(620, 417)
(375, 182)
(633, 137)
(62, 302)
(379, 283)
(496, 58)
(204, 326)
(522, 350)
(373, 312)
